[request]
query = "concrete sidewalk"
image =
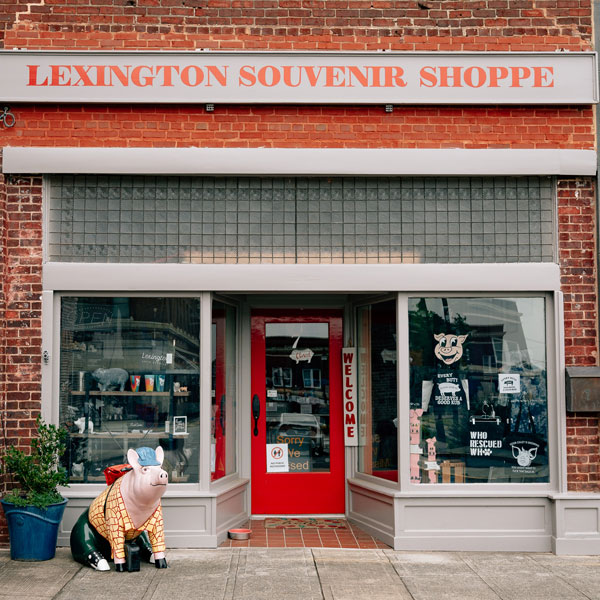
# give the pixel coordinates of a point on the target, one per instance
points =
(311, 574)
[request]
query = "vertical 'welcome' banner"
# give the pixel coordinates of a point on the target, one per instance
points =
(349, 391)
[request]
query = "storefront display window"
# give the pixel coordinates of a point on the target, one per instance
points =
(478, 393)
(129, 377)
(377, 390)
(223, 390)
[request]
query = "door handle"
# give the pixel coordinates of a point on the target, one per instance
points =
(255, 412)
(222, 411)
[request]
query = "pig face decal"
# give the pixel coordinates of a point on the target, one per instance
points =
(524, 452)
(449, 348)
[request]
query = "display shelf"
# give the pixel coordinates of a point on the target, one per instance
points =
(119, 393)
(88, 479)
(123, 435)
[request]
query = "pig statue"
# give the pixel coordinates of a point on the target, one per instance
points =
(129, 509)
(111, 379)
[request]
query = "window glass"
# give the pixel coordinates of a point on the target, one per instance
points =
(129, 377)
(478, 400)
(300, 220)
(377, 390)
(297, 404)
(223, 390)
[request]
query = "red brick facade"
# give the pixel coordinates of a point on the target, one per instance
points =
(294, 127)
(424, 25)
(577, 258)
(429, 25)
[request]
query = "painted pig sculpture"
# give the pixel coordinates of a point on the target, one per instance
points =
(125, 513)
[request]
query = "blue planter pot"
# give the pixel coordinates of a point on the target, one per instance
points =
(33, 531)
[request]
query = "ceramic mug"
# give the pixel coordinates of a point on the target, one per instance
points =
(149, 382)
(135, 383)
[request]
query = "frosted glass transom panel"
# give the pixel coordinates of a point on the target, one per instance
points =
(212, 220)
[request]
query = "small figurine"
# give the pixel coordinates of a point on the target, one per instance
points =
(80, 423)
(415, 448)
(129, 509)
(111, 378)
(431, 464)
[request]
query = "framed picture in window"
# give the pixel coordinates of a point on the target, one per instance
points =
(180, 425)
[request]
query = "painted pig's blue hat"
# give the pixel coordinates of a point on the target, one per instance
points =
(147, 457)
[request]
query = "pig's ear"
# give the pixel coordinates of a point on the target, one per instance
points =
(160, 454)
(133, 459)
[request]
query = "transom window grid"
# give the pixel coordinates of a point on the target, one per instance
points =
(210, 220)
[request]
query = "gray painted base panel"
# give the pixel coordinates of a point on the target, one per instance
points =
(569, 524)
(575, 546)
(375, 529)
(474, 543)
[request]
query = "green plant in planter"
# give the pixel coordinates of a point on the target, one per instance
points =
(39, 473)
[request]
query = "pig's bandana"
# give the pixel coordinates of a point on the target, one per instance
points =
(117, 527)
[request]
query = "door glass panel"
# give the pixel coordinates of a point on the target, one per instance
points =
(297, 393)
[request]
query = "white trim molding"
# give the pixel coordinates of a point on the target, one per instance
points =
(484, 277)
(447, 162)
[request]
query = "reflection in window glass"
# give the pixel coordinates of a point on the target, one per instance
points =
(298, 397)
(129, 377)
(377, 390)
(223, 390)
(478, 401)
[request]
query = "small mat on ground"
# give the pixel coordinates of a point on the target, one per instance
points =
(308, 523)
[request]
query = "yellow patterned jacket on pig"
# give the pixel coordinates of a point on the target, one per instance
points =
(117, 526)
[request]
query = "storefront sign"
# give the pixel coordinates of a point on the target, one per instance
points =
(277, 458)
(299, 77)
(350, 401)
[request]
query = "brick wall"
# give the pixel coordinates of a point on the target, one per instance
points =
(3, 357)
(22, 317)
(20, 311)
(577, 258)
(298, 126)
(492, 25)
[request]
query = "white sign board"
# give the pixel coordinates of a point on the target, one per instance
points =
(509, 383)
(277, 458)
(350, 396)
(299, 77)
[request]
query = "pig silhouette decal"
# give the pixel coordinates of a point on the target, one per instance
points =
(125, 521)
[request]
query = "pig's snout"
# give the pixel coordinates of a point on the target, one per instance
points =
(160, 478)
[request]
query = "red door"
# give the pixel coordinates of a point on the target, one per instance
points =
(297, 422)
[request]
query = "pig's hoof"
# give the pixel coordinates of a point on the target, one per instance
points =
(120, 567)
(98, 562)
(160, 563)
